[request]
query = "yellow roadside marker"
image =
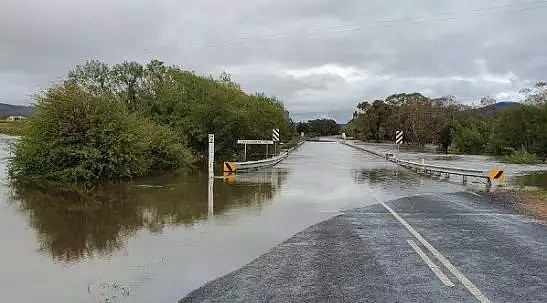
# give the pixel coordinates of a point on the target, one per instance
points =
(230, 167)
(496, 174)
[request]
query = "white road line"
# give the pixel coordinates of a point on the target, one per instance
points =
(463, 280)
(474, 193)
(431, 265)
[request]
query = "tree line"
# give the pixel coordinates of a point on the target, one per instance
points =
(518, 132)
(318, 127)
(106, 123)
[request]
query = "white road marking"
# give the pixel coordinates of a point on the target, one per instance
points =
(431, 265)
(474, 193)
(463, 280)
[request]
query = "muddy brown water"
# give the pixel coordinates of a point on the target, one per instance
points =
(158, 238)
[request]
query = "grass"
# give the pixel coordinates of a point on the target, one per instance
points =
(533, 202)
(12, 128)
(521, 156)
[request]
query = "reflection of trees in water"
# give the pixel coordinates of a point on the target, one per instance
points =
(384, 175)
(538, 179)
(75, 223)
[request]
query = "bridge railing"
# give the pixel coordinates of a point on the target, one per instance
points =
(427, 168)
(249, 165)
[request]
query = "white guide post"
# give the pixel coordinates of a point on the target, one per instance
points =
(211, 155)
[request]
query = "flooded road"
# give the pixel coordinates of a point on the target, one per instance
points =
(159, 238)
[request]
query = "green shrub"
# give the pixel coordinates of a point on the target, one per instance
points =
(468, 140)
(521, 156)
(76, 136)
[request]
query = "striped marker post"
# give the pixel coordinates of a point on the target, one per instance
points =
(398, 138)
(275, 138)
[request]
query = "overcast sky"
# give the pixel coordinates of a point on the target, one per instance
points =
(320, 57)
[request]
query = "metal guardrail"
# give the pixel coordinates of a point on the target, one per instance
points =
(427, 168)
(248, 165)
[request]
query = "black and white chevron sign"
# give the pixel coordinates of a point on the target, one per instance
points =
(275, 134)
(399, 137)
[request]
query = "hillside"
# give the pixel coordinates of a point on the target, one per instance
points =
(491, 109)
(15, 110)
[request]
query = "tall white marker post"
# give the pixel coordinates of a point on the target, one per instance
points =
(211, 155)
(210, 199)
(211, 175)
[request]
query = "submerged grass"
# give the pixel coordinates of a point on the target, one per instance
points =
(12, 128)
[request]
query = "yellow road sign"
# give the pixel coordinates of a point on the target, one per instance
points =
(229, 177)
(496, 174)
(229, 167)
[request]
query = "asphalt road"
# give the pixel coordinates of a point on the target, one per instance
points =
(428, 248)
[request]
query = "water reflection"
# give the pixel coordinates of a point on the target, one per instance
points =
(534, 179)
(73, 224)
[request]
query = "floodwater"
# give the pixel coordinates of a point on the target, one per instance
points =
(158, 238)
(532, 179)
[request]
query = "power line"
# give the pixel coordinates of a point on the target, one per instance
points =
(451, 16)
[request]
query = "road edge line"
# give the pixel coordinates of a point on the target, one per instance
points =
(434, 268)
(463, 279)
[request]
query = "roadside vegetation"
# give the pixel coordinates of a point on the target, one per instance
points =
(532, 202)
(515, 133)
(318, 127)
(108, 123)
(11, 128)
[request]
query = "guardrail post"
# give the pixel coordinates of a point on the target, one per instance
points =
(488, 183)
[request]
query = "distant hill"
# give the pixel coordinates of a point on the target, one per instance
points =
(496, 107)
(15, 110)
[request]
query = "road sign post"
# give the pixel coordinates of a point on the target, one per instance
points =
(255, 142)
(398, 138)
(211, 155)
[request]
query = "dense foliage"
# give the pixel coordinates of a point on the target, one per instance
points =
(518, 132)
(78, 137)
(106, 123)
(318, 127)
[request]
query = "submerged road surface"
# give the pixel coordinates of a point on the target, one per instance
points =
(426, 247)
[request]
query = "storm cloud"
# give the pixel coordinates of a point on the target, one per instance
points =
(319, 57)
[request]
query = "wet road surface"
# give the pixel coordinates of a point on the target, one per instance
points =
(158, 238)
(456, 247)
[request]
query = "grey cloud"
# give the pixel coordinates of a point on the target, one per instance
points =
(463, 48)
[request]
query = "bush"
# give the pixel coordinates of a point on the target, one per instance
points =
(521, 156)
(76, 136)
(468, 140)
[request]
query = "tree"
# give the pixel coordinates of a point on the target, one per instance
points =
(78, 137)
(109, 123)
(128, 77)
(536, 95)
(94, 76)
(487, 101)
(319, 127)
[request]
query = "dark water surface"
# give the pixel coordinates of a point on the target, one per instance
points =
(535, 179)
(159, 238)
